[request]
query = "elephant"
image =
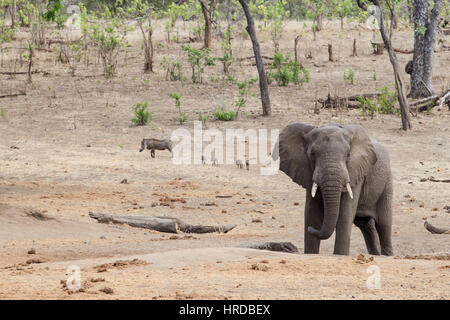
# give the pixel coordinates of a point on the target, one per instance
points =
(348, 180)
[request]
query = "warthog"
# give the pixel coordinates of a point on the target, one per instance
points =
(214, 161)
(156, 144)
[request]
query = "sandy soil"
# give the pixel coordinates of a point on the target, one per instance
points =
(64, 156)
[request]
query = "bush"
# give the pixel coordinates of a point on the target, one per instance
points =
(285, 70)
(387, 100)
(244, 90)
(203, 118)
(349, 75)
(173, 70)
(224, 114)
(385, 104)
(141, 115)
(182, 117)
(198, 59)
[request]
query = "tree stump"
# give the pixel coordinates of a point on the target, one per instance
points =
(378, 48)
(355, 52)
(330, 52)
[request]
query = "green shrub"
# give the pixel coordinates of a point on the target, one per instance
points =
(173, 70)
(385, 104)
(244, 90)
(225, 115)
(387, 100)
(203, 118)
(181, 117)
(366, 105)
(198, 59)
(349, 75)
(285, 70)
(141, 115)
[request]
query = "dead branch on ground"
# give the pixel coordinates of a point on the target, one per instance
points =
(161, 224)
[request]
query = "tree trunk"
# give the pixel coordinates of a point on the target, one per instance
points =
(263, 86)
(424, 41)
(13, 14)
(296, 40)
(207, 15)
(403, 102)
(319, 22)
(148, 47)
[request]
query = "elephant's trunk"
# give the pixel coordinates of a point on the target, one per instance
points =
(331, 189)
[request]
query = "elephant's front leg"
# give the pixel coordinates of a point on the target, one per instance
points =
(344, 224)
(313, 218)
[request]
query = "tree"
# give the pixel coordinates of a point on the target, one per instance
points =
(315, 11)
(208, 12)
(425, 25)
(142, 11)
(263, 86)
(403, 102)
(342, 9)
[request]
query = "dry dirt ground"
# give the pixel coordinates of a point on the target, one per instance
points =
(68, 143)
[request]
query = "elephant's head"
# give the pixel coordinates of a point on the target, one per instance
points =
(332, 158)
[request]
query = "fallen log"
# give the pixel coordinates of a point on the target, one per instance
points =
(11, 73)
(434, 229)
(351, 102)
(276, 246)
(157, 224)
(430, 102)
(161, 224)
(13, 95)
(403, 51)
(432, 179)
(188, 228)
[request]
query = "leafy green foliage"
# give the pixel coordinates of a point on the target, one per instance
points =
(384, 105)
(173, 70)
(349, 75)
(273, 15)
(367, 105)
(225, 115)
(387, 100)
(53, 8)
(141, 115)
(203, 118)
(227, 58)
(284, 70)
(181, 117)
(244, 90)
(109, 37)
(198, 59)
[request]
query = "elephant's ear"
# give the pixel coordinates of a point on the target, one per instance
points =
(292, 150)
(362, 153)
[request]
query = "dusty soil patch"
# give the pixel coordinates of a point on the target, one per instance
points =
(63, 159)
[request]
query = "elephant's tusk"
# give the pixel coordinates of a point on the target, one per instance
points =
(314, 189)
(349, 190)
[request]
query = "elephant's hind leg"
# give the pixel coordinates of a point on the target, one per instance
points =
(369, 231)
(384, 221)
